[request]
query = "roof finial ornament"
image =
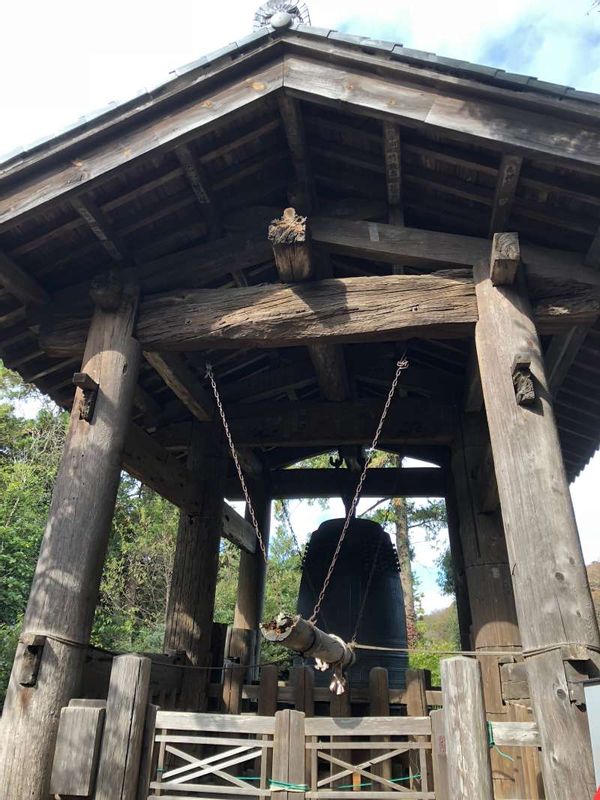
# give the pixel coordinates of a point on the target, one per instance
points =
(281, 14)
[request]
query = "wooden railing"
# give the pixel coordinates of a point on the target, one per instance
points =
(125, 748)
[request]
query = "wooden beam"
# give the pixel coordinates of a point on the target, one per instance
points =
(506, 188)
(518, 131)
(505, 258)
(342, 310)
(410, 421)
(16, 281)
(295, 133)
(145, 459)
(199, 184)
(392, 243)
(311, 483)
(561, 354)
(330, 368)
(100, 227)
(183, 383)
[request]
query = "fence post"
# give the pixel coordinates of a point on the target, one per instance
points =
(468, 753)
(126, 706)
(288, 754)
(438, 755)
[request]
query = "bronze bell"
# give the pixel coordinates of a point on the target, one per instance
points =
(367, 557)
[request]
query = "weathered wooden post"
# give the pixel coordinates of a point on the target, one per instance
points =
(554, 605)
(243, 645)
(126, 707)
(487, 572)
(65, 586)
(467, 750)
(195, 568)
(289, 769)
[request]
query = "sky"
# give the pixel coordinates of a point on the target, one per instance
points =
(60, 60)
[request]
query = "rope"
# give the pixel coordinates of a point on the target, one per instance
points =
(293, 787)
(475, 653)
(234, 455)
(400, 366)
(492, 744)
(369, 783)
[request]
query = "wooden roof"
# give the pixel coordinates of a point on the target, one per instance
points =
(180, 183)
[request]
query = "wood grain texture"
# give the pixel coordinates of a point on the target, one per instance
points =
(183, 383)
(439, 755)
(77, 751)
(126, 706)
(506, 187)
(469, 768)
(551, 590)
(342, 310)
(518, 131)
(505, 258)
(20, 284)
(67, 578)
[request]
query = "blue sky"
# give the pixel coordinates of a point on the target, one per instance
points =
(62, 59)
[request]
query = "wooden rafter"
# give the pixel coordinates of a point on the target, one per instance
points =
(146, 460)
(561, 354)
(183, 383)
(20, 284)
(293, 124)
(100, 227)
(199, 184)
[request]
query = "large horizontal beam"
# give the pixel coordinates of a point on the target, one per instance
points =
(146, 460)
(272, 315)
(374, 308)
(309, 483)
(410, 421)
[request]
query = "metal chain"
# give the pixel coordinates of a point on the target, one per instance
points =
(234, 455)
(400, 367)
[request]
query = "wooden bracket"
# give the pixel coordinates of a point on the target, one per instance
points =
(579, 668)
(31, 658)
(523, 380)
(89, 388)
(505, 259)
(107, 291)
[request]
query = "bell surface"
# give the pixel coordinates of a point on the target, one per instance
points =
(366, 549)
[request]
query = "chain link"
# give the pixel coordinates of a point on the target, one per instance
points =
(400, 367)
(234, 455)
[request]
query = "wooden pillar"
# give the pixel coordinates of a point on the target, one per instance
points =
(552, 595)
(191, 600)
(463, 607)
(65, 586)
(468, 755)
(493, 614)
(244, 643)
